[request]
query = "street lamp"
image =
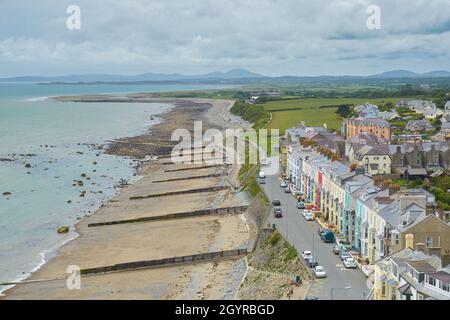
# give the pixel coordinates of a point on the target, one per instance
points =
(331, 290)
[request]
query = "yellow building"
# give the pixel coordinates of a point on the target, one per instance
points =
(387, 272)
(374, 159)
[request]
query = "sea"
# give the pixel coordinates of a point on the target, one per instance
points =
(46, 147)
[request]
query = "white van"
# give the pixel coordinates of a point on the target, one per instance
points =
(262, 177)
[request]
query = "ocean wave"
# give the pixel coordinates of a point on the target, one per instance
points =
(44, 255)
(36, 99)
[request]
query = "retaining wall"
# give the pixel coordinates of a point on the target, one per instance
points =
(193, 258)
(237, 209)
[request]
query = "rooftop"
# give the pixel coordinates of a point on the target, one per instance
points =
(422, 266)
(441, 275)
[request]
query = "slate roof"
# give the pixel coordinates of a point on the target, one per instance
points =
(364, 138)
(422, 266)
(441, 275)
(368, 121)
(395, 217)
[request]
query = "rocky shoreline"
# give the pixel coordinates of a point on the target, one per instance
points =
(208, 232)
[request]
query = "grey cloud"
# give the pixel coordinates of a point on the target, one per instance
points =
(270, 36)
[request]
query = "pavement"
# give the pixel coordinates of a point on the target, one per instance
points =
(341, 283)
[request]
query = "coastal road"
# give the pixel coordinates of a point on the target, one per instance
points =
(303, 235)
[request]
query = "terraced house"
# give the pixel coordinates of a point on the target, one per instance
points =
(372, 220)
(413, 273)
(427, 155)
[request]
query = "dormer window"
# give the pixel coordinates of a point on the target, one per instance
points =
(431, 281)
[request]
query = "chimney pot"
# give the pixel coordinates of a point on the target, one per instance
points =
(420, 246)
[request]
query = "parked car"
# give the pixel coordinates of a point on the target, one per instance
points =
(262, 180)
(276, 203)
(320, 272)
(308, 216)
(336, 249)
(287, 190)
(327, 236)
(277, 213)
(297, 192)
(306, 254)
(311, 297)
(350, 263)
(344, 255)
(283, 184)
(300, 205)
(311, 262)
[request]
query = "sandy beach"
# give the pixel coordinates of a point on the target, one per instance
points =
(122, 243)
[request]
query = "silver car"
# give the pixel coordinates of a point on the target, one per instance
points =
(320, 272)
(349, 263)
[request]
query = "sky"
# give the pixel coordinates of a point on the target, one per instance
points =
(270, 37)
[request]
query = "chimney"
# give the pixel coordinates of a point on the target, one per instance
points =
(435, 251)
(420, 246)
(392, 190)
(445, 260)
(409, 241)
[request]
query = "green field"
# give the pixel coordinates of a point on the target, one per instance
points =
(309, 110)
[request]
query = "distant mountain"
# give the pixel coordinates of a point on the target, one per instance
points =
(410, 74)
(436, 74)
(232, 74)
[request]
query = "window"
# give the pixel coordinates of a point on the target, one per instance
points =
(444, 286)
(419, 296)
(429, 241)
(397, 239)
(394, 270)
(431, 281)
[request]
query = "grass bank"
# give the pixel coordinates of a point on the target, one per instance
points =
(273, 268)
(248, 173)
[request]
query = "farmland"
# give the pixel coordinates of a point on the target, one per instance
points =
(314, 111)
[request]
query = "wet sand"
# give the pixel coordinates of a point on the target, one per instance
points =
(112, 244)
